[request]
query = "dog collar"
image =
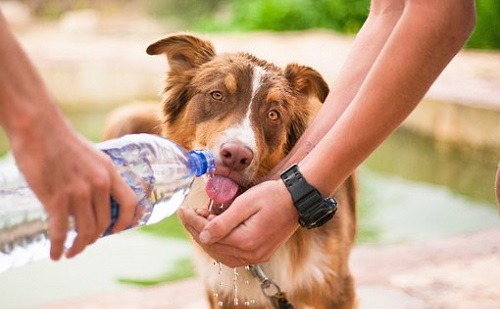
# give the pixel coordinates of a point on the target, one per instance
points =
(314, 210)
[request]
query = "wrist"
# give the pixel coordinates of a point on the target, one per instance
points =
(313, 209)
(285, 196)
(37, 130)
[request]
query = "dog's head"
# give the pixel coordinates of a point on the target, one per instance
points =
(247, 111)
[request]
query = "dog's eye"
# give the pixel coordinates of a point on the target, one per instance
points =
(216, 95)
(273, 115)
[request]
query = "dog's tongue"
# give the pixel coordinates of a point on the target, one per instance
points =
(221, 189)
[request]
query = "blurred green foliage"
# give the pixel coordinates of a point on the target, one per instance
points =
(4, 142)
(487, 32)
(283, 15)
(345, 16)
(170, 227)
(188, 12)
(182, 269)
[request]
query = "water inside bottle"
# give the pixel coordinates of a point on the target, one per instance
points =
(160, 188)
(24, 224)
(23, 229)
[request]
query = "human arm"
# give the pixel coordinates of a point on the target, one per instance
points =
(427, 36)
(401, 50)
(68, 175)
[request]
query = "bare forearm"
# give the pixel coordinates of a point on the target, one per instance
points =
(23, 96)
(427, 36)
(69, 176)
(366, 47)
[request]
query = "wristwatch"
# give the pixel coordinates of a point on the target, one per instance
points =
(314, 210)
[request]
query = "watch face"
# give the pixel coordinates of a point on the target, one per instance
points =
(326, 216)
(321, 213)
(314, 210)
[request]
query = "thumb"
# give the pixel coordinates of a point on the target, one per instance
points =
(222, 225)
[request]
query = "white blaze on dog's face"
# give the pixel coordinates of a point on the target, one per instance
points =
(247, 111)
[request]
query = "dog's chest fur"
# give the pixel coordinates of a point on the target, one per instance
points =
(231, 286)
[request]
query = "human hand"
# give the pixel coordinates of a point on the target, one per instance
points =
(250, 231)
(72, 179)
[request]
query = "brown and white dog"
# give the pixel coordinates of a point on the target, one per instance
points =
(249, 113)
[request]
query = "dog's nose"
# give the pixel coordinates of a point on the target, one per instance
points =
(236, 156)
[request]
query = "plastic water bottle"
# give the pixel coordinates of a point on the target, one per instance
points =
(158, 170)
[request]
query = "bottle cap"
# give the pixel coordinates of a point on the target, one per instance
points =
(203, 161)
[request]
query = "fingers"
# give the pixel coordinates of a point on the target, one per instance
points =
(70, 205)
(58, 227)
(248, 231)
(85, 224)
(194, 221)
(102, 208)
(127, 202)
(92, 212)
(220, 226)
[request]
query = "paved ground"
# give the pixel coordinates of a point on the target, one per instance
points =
(459, 272)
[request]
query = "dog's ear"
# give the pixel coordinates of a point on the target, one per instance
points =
(183, 51)
(306, 83)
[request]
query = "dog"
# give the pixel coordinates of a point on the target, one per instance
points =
(249, 113)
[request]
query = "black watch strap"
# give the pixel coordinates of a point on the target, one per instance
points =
(314, 210)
